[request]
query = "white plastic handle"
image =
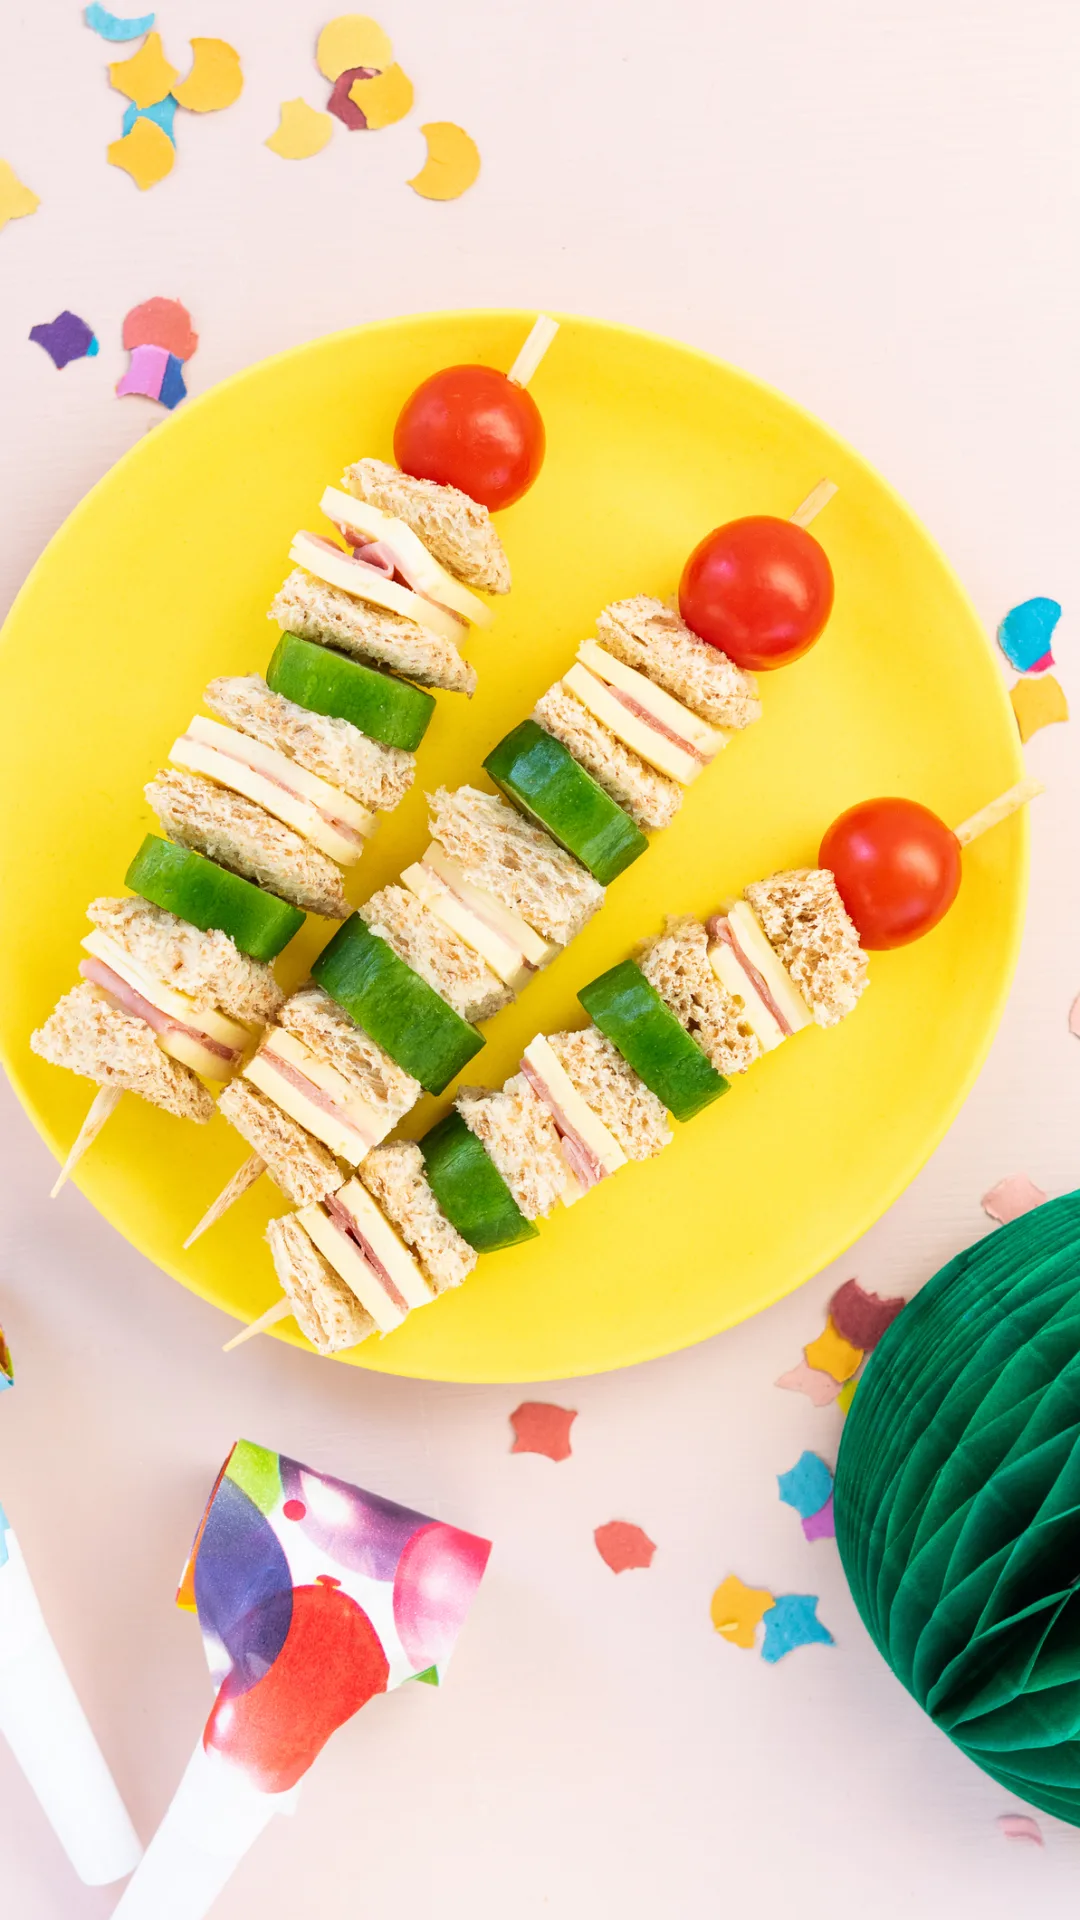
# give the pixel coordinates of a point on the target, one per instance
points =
(50, 1736)
(214, 1817)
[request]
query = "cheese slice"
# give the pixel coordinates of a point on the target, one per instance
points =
(634, 732)
(331, 820)
(166, 999)
(349, 1127)
(588, 1125)
(427, 574)
(735, 980)
(339, 569)
(502, 956)
(751, 937)
(387, 1246)
(536, 950)
(663, 706)
(349, 1263)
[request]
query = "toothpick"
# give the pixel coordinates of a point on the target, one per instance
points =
(280, 1310)
(817, 498)
(103, 1105)
(998, 810)
(537, 344)
(244, 1178)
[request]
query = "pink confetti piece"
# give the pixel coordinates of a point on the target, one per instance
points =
(622, 1546)
(821, 1525)
(818, 1387)
(1020, 1826)
(863, 1317)
(146, 373)
(1013, 1196)
(540, 1427)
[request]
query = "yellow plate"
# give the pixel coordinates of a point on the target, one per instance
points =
(161, 579)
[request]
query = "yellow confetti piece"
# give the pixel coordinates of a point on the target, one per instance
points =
(738, 1610)
(1038, 703)
(352, 40)
(452, 164)
(147, 77)
(146, 153)
(215, 80)
(846, 1395)
(387, 98)
(302, 131)
(16, 201)
(830, 1353)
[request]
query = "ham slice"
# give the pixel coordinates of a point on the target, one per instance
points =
(380, 556)
(312, 1092)
(343, 827)
(472, 906)
(133, 1002)
(719, 928)
(658, 726)
(345, 1224)
(579, 1156)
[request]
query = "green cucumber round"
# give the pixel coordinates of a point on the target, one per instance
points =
(197, 890)
(392, 711)
(403, 1015)
(542, 777)
(627, 1008)
(470, 1189)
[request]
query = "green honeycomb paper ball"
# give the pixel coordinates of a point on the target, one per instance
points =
(958, 1503)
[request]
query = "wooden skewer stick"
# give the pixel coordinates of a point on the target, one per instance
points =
(537, 344)
(280, 1310)
(817, 498)
(102, 1106)
(245, 1177)
(1000, 809)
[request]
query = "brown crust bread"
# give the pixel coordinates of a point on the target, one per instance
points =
(806, 923)
(645, 634)
(676, 963)
(608, 1084)
(238, 834)
(438, 954)
(88, 1035)
(324, 1027)
(394, 1176)
(324, 1308)
(296, 1162)
(317, 611)
(516, 860)
(452, 525)
(650, 798)
(378, 777)
(517, 1129)
(206, 966)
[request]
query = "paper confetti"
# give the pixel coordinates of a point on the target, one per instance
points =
(16, 201)
(452, 164)
(385, 99)
(1037, 704)
(861, 1317)
(1025, 633)
(831, 1353)
(540, 1427)
(155, 374)
(302, 131)
(160, 323)
(1014, 1195)
(7, 1367)
(215, 79)
(792, 1622)
(341, 105)
(820, 1525)
(1020, 1826)
(147, 76)
(146, 153)
(819, 1387)
(65, 339)
(736, 1610)
(1074, 1017)
(352, 40)
(112, 27)
(846, 1395)
(163, 113)
(623, 1546)
(806, 1486)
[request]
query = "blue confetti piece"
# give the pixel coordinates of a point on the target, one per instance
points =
(5, 1526)
(807, 1487)
(173, 389)
(792, 1622)
(1025, 634)
(163, 112)
(112, 27)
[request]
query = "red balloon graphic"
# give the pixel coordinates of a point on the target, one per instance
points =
(437, 1577)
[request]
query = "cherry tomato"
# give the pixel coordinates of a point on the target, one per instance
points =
(760, 589)
(897, 867)
(471, 427)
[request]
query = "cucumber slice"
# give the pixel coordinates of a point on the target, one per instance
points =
(470, 1189)
(393, 711)
(207, 895)
(627, 1007)
(399, 1010)
(542, 777)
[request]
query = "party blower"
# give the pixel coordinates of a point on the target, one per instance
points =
(313, 1596)
(46, 1728)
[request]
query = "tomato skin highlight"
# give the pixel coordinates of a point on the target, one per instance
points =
(897, 868)
(471, 427)
(760, 589)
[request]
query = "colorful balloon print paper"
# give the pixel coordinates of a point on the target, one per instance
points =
(313, 1596)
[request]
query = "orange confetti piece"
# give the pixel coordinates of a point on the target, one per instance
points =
(1038, 703)
(452, 164)
(540, 1427)
(160, 323)
(622, 1546)
(16, 200)
(383, 100)
(302, 131)
(737, 1610)
(820, 1388)
(215, 79)
(146, 153)
(1013, 1196)
(352, 40)
(147, 77)
(830, 1353)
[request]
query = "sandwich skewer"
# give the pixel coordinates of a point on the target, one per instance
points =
(790, 953)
